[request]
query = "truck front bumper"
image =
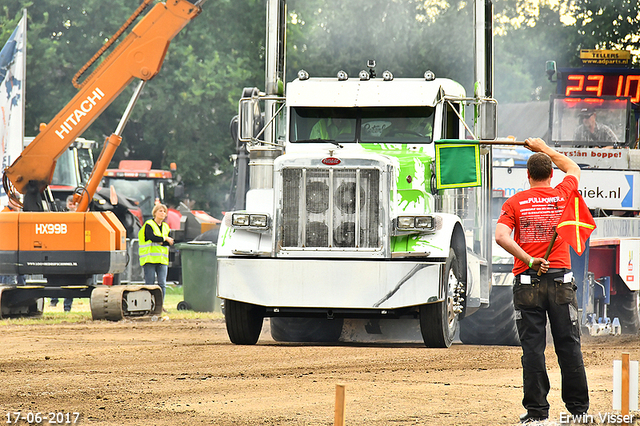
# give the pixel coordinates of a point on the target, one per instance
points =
(333, 283)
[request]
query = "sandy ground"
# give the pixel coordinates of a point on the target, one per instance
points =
(185, 372)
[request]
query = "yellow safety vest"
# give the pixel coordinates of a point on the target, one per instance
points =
(325, 128)
(149, 251)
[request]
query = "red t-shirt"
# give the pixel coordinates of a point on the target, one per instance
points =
(533, 215)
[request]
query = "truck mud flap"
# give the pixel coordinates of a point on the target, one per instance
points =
(113, 303)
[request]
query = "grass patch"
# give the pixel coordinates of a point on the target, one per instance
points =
(81, 311)
(173, 296)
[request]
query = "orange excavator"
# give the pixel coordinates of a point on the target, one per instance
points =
(69, 248)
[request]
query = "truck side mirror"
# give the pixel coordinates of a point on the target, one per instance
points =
(113, 195)
(161, 191)
(178, 190)
(488, 120)
(249, 114)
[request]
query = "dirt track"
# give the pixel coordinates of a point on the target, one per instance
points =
(186, 372)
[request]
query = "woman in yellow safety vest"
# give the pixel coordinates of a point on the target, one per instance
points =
(154, 247)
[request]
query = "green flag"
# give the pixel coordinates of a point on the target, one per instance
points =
(457, 164)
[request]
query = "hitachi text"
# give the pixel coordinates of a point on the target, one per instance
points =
(77, 115)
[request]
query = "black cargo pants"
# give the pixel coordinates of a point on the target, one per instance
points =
(534, 298)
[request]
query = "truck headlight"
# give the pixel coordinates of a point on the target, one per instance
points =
(416, 223)
(424, 222)
(240, 219)
(250, 221)
(405, 222)
(258, 220)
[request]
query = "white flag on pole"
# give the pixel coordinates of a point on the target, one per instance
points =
(12, 101)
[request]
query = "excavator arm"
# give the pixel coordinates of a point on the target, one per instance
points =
(69, 248)
(139, 55)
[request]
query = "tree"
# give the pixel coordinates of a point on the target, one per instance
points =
(525, 42)
(608, 24)
(184, 113)
(402, 36)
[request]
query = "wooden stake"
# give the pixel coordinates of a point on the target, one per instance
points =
(340, 405)
(625, 386)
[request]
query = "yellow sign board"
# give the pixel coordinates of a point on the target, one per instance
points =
(605, 57)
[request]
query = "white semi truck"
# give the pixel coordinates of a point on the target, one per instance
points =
(365, 202)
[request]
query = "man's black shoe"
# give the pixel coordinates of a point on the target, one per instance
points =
(530, 418)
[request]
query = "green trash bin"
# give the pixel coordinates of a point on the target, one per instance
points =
(199, 272)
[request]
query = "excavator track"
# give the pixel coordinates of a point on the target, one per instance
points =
(11, 306)
(114, 303)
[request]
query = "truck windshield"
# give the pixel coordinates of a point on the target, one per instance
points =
(389, 124)
(141, 191)
(65, 173)
(68, 173)
(589, 122)
(85, 164)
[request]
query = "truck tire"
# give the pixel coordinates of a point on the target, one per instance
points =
(306, 330)
(624, 305)
(438, 322)
(244, 322)
(495, 325)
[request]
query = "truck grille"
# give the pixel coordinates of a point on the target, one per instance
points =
(331, 208)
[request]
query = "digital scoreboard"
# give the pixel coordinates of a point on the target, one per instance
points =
(600, 82)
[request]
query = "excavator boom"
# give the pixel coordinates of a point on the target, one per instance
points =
(139, 55)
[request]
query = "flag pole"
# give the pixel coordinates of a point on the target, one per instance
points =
(23, 21)
(546, 255)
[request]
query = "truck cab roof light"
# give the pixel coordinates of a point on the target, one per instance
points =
(342, 75)
(303, 75)
(364, 75)
(387, 75)
(429, 75)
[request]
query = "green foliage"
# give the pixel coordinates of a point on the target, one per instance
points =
(329, 36)
(184, 113)
(521, 53)
(607, 24)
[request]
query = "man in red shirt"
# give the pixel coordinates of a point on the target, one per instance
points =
(532, 216)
